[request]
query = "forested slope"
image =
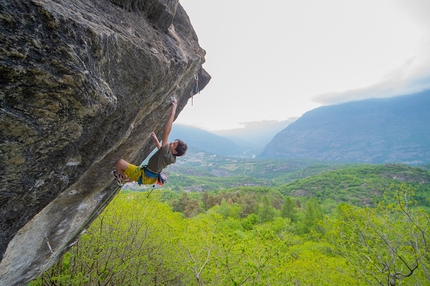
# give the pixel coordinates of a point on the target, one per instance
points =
(360, 184)
(323, 227)
(199, 171)
(357, 184)
(262, 235)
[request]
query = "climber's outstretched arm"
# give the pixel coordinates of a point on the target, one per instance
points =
(155, 140)
(169, 122)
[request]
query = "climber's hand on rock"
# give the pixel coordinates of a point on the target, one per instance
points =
(174, 106)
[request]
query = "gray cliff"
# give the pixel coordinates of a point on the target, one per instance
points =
(82, 84)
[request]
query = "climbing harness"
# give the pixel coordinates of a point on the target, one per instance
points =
(161, 176)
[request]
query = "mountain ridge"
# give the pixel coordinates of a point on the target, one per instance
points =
(389, 130)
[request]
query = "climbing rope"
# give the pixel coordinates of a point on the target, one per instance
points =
(150, 192)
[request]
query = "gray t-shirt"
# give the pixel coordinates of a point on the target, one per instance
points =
(161, 159)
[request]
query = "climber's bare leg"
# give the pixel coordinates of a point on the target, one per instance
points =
(121, 166)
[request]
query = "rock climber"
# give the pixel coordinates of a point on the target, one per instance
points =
(164, 156)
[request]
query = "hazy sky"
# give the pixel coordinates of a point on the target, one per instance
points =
(276, 59)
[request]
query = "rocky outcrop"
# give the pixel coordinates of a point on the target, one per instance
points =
(83, 83)
(389, 130)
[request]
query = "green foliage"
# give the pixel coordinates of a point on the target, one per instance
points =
(388, 244)
(249, 222)
(228, 209)
(289, 210)
(141, 241)
(312, 263)
(319, 230)
(311, 217)
(358, 184)
(130, 243)
(267, 212)
(361, 184)
(194, 173)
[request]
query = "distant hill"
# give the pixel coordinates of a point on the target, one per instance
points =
(242, 142)
(254, 136)
(389, 130)
(205, 141)
(199, 171)
(332, 183)
(362, 184)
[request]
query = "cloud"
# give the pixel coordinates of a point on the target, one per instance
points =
(273, 64)
(376, 91)
(408, 79)
(411, 77)
(418, 11)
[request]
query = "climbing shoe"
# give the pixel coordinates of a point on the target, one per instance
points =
(118, 178)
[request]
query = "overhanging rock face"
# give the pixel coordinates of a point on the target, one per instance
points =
(82, 84)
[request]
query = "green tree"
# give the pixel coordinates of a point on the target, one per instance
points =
(199, 248)
(192, 208)
(312, 216)
(267, 212)
(211, 202)
(179, 205)
(204, 198)
(224, 208)
(227, 210)
(249, 222)
(133, 242)
(244, 258)
(311, 263)
(288, 210)
(249, 205)
(388, 244)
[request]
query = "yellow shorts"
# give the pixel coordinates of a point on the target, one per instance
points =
(133, 175)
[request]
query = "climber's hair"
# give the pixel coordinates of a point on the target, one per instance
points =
(181, 149)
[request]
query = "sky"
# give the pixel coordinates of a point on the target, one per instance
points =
(277, 59)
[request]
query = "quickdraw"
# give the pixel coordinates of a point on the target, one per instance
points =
(50, 248)
(196, 77)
